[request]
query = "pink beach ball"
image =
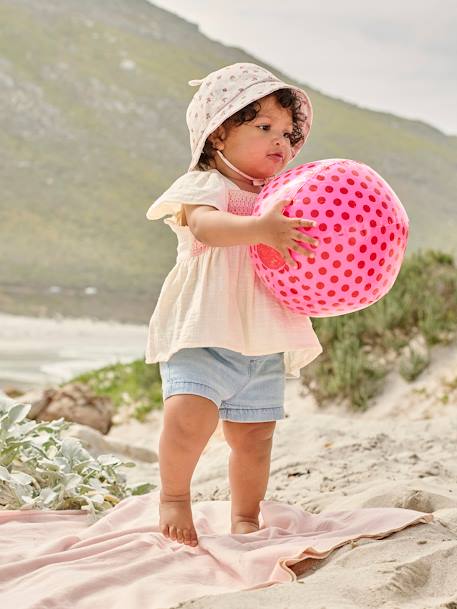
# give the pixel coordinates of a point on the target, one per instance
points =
(362, 230)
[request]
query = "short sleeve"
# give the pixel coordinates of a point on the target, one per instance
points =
(192, 188)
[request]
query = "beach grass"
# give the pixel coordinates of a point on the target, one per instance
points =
(360, 348)
(135, 385)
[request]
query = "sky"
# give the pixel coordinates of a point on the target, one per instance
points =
(397, 56)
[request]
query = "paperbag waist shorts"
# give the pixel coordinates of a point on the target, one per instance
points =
(245, 388)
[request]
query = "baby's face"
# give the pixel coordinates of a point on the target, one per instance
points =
(251, 146)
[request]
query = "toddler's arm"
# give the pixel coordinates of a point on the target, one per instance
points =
(220, 228)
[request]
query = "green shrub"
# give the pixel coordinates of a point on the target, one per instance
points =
(360, 348)
(136, 384)
(41, 470)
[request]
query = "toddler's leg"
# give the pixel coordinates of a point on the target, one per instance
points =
(189, 421)
(249, 470)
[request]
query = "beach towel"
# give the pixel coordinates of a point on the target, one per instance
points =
(61, 559)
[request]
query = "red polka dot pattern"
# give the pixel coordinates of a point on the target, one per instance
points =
(362, 228)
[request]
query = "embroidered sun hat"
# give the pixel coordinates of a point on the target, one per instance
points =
(227, 90)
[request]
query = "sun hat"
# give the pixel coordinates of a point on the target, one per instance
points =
(227, 90)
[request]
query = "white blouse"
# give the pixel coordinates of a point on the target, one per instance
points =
(213, 297)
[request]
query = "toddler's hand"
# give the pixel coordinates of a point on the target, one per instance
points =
(281, 232)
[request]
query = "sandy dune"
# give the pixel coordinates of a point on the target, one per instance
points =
(401, 453)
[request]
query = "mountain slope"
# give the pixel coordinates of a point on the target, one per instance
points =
(92, 128)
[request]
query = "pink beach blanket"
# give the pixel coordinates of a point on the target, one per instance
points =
(58, 559)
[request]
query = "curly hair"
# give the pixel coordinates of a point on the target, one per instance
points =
(287, 98)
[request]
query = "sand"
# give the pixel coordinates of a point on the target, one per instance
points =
(401, 452)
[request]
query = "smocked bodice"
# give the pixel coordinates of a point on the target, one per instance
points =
(240, 202)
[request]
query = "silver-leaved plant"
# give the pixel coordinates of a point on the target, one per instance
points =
(40, 470)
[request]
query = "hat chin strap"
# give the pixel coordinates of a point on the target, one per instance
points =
(255, 181)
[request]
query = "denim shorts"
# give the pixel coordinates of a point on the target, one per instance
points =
(246, 388)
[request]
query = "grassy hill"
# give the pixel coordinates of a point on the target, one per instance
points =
(92, 128)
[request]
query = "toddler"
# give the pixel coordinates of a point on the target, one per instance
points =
(224, 344)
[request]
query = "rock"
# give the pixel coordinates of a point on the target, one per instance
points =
(33, 397)
(417, 346)
(414, 358)
(98, 444)
(74, 402)
(12, 391)
(5, 400)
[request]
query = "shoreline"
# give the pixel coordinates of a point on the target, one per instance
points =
(36, 351)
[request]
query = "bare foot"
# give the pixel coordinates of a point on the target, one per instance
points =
(176, 518)
(244, 526)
